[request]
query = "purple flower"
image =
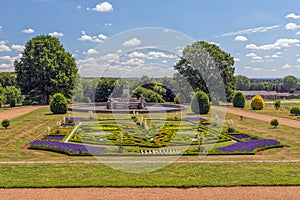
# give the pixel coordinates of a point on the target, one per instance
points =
(240, 136)
(248, 146)
(76, 119)
(71, 149)
(194, 119)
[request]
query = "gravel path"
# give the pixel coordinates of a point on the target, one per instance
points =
(17, 111)
(240, 112)
(224, 193)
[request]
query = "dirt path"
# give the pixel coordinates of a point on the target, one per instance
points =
(232, 193)
(17, 111)
(282, 121)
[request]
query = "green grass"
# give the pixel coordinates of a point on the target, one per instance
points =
(174, 175)
(283, 112)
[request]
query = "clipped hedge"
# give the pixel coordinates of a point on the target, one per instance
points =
(239, 100)
(58, 104)
(295, 110)
(200, 103)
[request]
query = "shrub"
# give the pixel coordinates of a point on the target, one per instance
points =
(58, 104)
(295, 110)
(200, 103)
(5, 123)
(239, 100)
(179, 99)
(277, 104)
(257, 103)
(274, 123)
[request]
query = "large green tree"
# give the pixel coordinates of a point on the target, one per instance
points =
(44, 69)
(242, 82)
(200, 62)
(289, 82)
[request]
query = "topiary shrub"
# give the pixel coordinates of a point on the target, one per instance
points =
(257, 102)
(239, 100)
(295, 110)
(5, 123)
(200, 103)
(274, 123)
(58, 104)
(277, 104)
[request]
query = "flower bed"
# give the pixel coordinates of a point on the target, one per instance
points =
(67, 148)
(249, 146)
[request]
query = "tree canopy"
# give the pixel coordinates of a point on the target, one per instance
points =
(289, 82)
(203, 59)
(242, 83)
(44, 69)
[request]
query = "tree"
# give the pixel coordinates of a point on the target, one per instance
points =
(239, 100)
(5, 123)
(105, 87)
(58, 104)
(274, 123)
(242, 83)
(200, 60)
(200, 103)
(257, 102)
(44, 69)
(150, 95)
(289, 82)
(8, 79)
(13, 96)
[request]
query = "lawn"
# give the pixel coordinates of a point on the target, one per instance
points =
(23, 129)
(283, 112)
(174, 175)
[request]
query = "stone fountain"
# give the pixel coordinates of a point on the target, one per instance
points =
(126, 101)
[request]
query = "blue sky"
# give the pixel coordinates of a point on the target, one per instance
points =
(262, 35)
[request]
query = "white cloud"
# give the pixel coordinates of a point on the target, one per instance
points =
(91, 51)
(298, 33)
(133, 61)
(102, 37)
(298, 60)
(257, 69)
(17, 47)
(110, 58)
(119, 51)
(293, 15)
(3, 47)
(132, 42)
(257, 58)
(56, 34)
(286, 66)
(252, 30)
(108, 24)
(280, 43)
(2, 42)
(5, 66)
(99, 38)
(102, 7)
(240, 38)
(247, 67)
(1, 27)
(78, 7)
(154, 55)
(291, 26)
(236, 59)
(165, 61)
(273, 70)
(85, 38)
(28, 31)
(251, 55)
(6, 58)
(136, 54)
(215, 43)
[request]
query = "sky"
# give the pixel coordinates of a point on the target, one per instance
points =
(263, 36)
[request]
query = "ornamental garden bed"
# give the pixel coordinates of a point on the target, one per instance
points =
(146, 136)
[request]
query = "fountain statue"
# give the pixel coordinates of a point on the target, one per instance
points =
(126, 101)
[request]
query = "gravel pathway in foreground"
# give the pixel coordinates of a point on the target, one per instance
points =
(224, 193)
